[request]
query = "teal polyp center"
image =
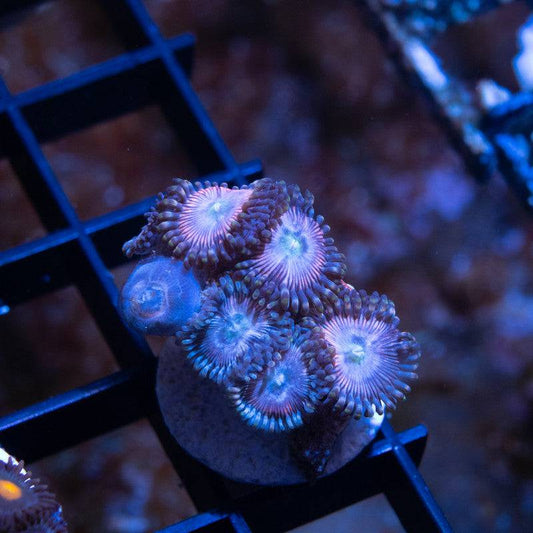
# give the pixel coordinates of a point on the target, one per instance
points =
(275, 386)
(359, 347)
(293, 243)
(217, 209)
(151, 301)
(282, 387)
(231, 331)
(356, 351)
(236, 327)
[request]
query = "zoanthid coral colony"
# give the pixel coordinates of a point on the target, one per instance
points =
(252, 288)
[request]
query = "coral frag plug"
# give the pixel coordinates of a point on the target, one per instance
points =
(251, 289)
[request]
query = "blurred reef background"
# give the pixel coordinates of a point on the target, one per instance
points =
(307, 88)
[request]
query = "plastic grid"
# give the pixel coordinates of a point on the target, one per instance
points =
(489, 138)
(154, 70)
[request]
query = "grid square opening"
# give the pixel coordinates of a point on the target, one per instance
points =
(220, 526)
(200, 16)
(372, 514)
(49, 345)
(34, 51)
(20, 223)
(484, 47)
(118, 162)
(121, 481)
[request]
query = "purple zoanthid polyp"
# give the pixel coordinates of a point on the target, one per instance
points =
(251, 286)
(298, 268)
(207, 225)
(284, 393)
(232, 335)
(160, 296)
(373, 360)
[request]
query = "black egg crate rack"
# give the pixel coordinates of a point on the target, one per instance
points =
(154, 70)
(490, 139)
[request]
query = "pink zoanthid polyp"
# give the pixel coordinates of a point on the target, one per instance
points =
(373, 361)
(207, 224)
(286, 390)
(298, 268)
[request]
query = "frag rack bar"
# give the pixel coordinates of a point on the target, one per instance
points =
(491, 132)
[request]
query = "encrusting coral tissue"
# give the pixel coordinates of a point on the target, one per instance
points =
(252, 288)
